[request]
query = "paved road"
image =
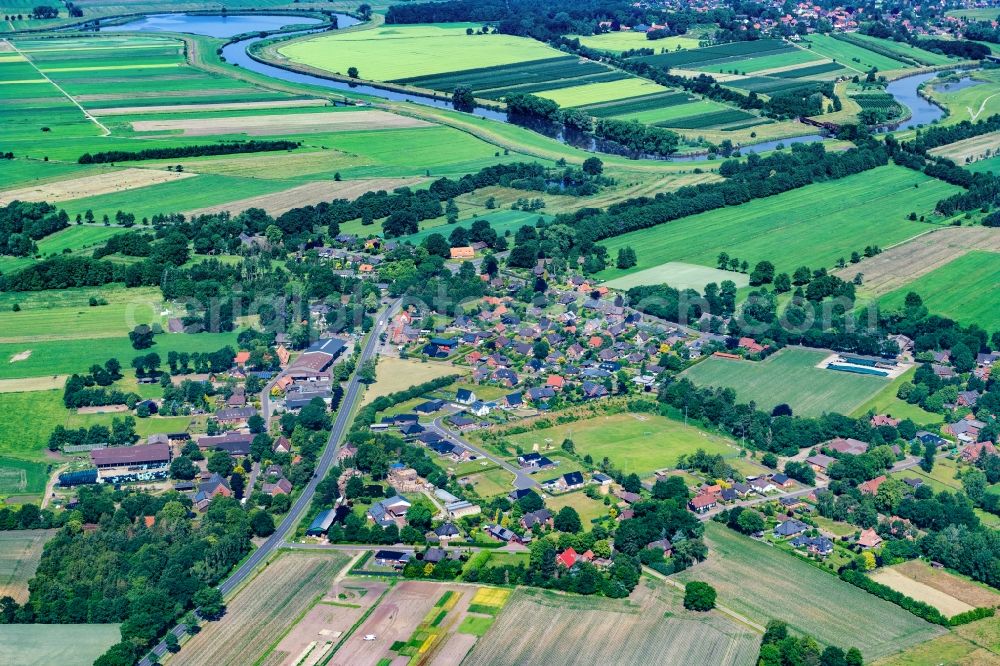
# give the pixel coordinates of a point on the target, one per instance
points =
(521, 477)
(341, 423)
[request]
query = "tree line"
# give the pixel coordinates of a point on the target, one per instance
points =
(226, 148)
(22, 223)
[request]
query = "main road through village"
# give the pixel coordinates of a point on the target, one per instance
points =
(352, 394)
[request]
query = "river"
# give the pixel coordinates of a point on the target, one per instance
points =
(922, 112)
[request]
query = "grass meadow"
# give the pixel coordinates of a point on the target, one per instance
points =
(626, 41)
(789, 377)
(395, 52)
(849, 55)
(886, 402)
(812, 226)
(761, 582)
(678, 275)
(640, 443)
(32, 644)
(964, 289)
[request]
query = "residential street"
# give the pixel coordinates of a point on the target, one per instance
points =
(521, 477)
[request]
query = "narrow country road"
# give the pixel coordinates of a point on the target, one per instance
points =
(352, 394)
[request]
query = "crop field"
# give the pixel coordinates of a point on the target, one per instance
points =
(307, 195)
(20, 552)
(390, 53)
(650, 627)
(852, 56)
(423, 621)
(902, 264)
(678, 275)
(970, 150)
(898, 49)
(768, 84)
(813, 225)
(523, 77)
(732, 53)
(878, 102)
(626, 41)
(973, 644)
(261, 612)
(789, 377)
(34, 644)
(640, 443)
(963, 289)
(962, 594)
(594, 93)
(762, 583)
(826, 70)
(715, 120)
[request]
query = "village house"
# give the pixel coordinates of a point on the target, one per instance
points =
(390, 511)
(869, 539)
(871, 487)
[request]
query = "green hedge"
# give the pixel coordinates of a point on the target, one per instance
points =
(971, 616)
(918, 608)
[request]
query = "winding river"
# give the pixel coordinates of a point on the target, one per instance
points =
(905, 90)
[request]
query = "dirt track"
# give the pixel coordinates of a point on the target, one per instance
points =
(904, 263)
(304, 195)
(89, 186)
(342, 121)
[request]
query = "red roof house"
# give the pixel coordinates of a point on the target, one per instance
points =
(567, 558)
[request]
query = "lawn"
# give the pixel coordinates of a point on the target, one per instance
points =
(640, 443)
(395, 52)
(20, 552)
(475, 625)
(964, 289)
(33, 644)
(761, 582)
(490, 483)
(588, 509)
(789, 377)
(813, 225)
(678, 275)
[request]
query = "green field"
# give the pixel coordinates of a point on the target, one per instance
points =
(35, 644)
(762, 583)
(679, 276)
(588, 509)
(849, 55)
(972, 103)
(813, 225)
(964, 289)
(594, 93)
(904, 50)
(626, 41)
(789, 377)
(20, 477)
(766, 61)
(640, 443)
(56, 357)
(394, 52)
(886, 402)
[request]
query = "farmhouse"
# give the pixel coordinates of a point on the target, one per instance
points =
(847, 446)
(131, 457)
(390, 511)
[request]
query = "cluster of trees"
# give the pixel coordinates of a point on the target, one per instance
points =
(129, 245)
(121, 433)
(149, 576)
(224, 148)
(637, 137)
(184, 363)
(91, 389)
(479, 231)
(779, 647)
(22, 223)
(30, 517)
